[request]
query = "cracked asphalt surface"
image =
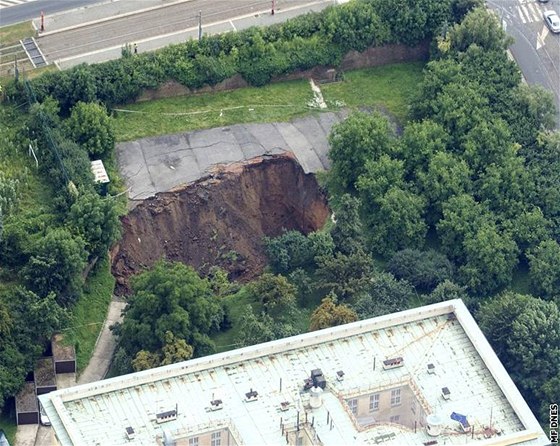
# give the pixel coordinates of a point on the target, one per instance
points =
(160, 163)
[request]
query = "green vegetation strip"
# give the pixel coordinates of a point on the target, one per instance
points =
(90, 311)
(12, 34)
(389, 87)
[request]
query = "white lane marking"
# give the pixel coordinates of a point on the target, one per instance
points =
(541, 37)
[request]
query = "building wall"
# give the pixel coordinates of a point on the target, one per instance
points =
(65, 366)
(219, 437)
(28, 418)
(45, 389)
(396, 405)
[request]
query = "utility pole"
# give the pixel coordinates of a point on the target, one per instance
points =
(199, 25)
(273, 5)
(42, 21)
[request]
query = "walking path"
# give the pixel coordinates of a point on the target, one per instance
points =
(100, 361)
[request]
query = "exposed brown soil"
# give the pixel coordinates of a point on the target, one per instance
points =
(221, 219)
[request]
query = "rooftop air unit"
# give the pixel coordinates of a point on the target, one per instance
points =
(252, 395)
(315, 398)
(340, 375)
(431, 369)
(318, 379)
(434, 425)
(164, 417)
(393, 363)
(445, 393)
(216, 405)
(130, 433)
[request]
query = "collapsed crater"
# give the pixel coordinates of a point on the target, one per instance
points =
(221, 219)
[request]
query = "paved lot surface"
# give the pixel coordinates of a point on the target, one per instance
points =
(98, 32)
(157, 164)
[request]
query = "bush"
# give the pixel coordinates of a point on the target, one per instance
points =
(423, 269)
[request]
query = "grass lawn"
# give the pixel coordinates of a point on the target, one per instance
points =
(274, 102)
(389, 87)
(8, 422)
(12, 34)
(90, 311)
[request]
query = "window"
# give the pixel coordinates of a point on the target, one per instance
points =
(353, 404)
(395, 397)
(193, 441)
(395, 418)
(374, 402)
(216, 439)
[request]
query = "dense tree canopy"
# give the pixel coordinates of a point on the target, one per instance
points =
(329, 314)
(170, 298)
(525, 333)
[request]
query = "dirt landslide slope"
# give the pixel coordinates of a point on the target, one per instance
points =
(221, 219)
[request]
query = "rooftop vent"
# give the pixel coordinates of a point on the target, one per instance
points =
(216, 405)
(340, 375)
(284, 406)
(445, 393)
(315, 399)
(393, 363)
(252, 395)
(130, 433)
(431, 369)
(164, 417)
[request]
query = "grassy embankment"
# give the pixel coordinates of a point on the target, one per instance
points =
(389, 87)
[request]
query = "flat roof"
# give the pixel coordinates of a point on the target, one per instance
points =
(44, 372)
(61, 351)
(377, 355)
(26, 399)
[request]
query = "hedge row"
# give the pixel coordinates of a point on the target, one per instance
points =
(258, 54)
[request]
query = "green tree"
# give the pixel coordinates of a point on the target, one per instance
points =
(529, 228)
(462, 218)
(423, 269)
(359, 138)
(384, 295)
(329, 314)
(447, 290)
(544, 268)
(91, 127)
(447, 175)
(56, 264)
(480, 27)
(380, 175)
(96, 221)
(398, 222)
(171, 297)
(345, 275)
(419, 143)
(525, 333)
(145, 360)
(491, 257)
(276, 295)
(255, 330)
(175, 350)
(347, 233)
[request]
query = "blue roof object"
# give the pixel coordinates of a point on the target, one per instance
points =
(460, 418)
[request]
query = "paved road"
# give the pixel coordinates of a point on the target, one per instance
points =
(30, 10)
(536, 50)
(157, 164)
(156, 26)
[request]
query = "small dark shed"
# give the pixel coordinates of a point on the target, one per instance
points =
(45, 378)
(64, 355)
(27, 408)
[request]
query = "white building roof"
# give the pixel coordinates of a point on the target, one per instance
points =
(444, 335)
(99, 172)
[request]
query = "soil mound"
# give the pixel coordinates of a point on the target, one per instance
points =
(221, 219)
